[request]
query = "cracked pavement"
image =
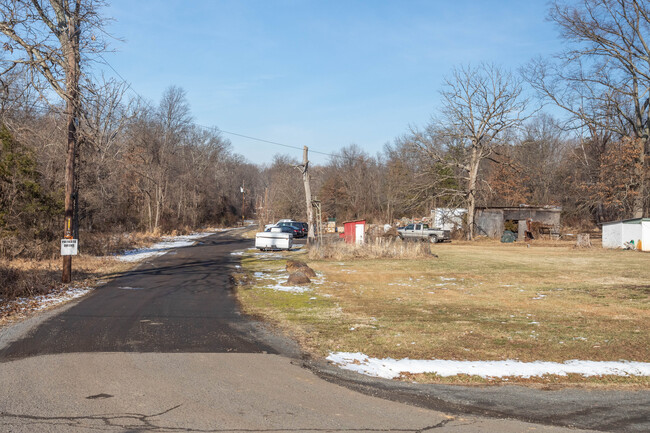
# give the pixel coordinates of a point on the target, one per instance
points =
(199, 392)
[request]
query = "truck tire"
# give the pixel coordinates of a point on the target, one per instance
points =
(433, 239)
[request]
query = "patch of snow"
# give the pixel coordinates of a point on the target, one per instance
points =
(279, 283)
(447, 279)
(169, 243)
(268, 256)
(292, 289)
(41, 302)
(130, 288)
(391, 368)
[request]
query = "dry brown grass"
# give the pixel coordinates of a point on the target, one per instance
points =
(249, 232)
(380, 248)
(476, 301)
(26, 278)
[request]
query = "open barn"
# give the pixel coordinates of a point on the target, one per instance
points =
(526, 221)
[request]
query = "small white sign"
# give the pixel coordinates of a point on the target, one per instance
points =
(69, 247)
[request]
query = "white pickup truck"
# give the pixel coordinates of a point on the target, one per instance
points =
(424, 233)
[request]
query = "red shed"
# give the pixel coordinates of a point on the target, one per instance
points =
(354, 232)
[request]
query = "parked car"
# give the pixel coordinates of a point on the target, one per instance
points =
(297, 230)
(278, 223)
(424, 233)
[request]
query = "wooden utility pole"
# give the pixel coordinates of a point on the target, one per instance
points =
(243, 202)
(305, 180)
(70, 45)
(47, 37)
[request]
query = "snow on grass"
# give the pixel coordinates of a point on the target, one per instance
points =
(169, 243)
(389, 368)
(281, 287)
(267, 280)
(56, 297)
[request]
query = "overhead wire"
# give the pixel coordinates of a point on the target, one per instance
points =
(214, 128)
(50, 107)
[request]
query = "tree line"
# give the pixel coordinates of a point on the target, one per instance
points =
(147, 166)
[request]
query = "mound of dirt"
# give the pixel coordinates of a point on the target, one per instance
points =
(298, 266)
(298, 278)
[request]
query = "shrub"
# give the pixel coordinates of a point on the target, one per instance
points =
(15, 283)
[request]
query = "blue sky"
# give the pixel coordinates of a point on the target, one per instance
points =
(324, 74)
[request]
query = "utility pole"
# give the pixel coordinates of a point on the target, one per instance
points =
(319, 219)
(70, 46)
(243, 202)
(305, 179)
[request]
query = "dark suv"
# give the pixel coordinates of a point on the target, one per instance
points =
(303, 226)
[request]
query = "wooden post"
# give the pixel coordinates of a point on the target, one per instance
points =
(243, 202)
(305, 180)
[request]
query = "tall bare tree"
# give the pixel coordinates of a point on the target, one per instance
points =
(603, 77)
(481, 106)
(47, 40)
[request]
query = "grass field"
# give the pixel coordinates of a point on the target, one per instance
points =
(475, 301)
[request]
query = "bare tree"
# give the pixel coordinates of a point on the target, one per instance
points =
(417, 183)
(481, 105)
(47, 40)
(603, 78)
(101, 149)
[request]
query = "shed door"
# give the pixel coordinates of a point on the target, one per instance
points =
(358, 231)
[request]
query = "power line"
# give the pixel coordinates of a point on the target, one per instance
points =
(214, 128)
(265, 141)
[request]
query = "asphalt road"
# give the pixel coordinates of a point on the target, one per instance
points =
(164, 348)
(178, 302)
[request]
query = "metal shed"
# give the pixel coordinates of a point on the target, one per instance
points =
(354, 232)
(619, 234)
(491, 221)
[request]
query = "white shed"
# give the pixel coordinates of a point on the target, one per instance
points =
(618, 233)
(448, 218)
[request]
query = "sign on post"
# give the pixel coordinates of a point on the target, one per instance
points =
(69, 247)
